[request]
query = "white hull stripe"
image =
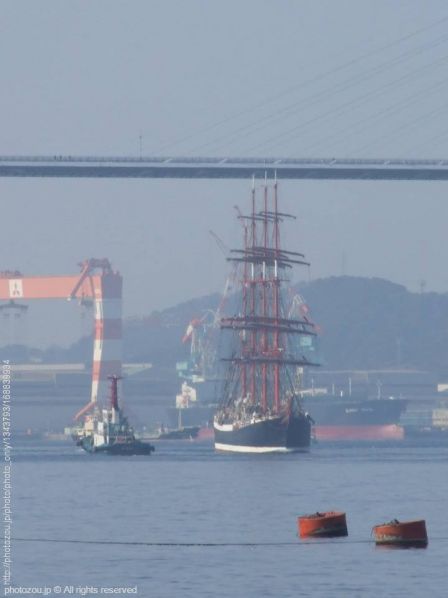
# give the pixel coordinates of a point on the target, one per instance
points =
(235, 448)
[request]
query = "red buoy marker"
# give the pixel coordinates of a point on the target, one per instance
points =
(331, 524)
(401, 533)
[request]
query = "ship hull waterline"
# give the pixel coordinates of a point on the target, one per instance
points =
(376, 419)
(273, 435)
(130, 449)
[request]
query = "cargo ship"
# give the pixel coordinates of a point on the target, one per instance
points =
(108, 430)
(339, 414)
(180, 433)
(355, 418)
(259, 410)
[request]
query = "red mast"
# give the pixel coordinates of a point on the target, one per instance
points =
(114, 392)
(263, 328)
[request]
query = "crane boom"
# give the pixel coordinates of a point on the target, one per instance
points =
(104, 288)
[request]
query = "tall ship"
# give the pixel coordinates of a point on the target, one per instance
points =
(259, 409)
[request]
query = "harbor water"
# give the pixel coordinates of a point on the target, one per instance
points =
(187, 522)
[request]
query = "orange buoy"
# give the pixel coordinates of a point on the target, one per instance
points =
(401, 533)
(322, 525)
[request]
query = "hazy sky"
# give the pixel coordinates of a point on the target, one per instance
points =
(286, 78)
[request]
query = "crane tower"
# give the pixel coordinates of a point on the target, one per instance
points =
(97, 282)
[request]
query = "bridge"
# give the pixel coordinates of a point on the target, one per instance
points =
(222, 168)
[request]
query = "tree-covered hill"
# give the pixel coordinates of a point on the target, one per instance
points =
(365, 323)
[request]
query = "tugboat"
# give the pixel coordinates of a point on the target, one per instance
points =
(108, 431)
(260, 410)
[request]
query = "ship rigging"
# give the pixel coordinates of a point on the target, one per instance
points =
(259, 409)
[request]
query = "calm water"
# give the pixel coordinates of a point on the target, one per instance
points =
(185, 493)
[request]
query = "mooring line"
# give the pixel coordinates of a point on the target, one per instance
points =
(308, 542)
(191, 544)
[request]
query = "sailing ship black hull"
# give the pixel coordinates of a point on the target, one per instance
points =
(270, 435)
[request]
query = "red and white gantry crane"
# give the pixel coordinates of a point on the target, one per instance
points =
(97, 282)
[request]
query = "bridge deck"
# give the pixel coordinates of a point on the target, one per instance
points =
(221, 168)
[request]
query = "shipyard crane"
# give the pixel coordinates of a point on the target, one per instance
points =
(230, 280)
(197, 334)
(200, 330)
(299, 308)
(96, 282)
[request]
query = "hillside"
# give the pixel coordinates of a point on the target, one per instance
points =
(373, 323)
(365, 323)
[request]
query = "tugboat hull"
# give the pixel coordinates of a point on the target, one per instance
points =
(126, 449)
(273, 435)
